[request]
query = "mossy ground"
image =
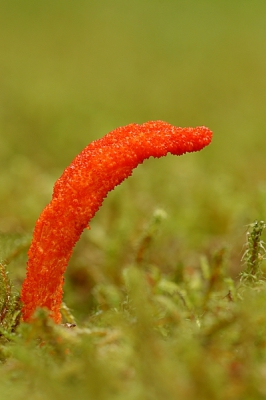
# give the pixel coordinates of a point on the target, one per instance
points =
(155, 287)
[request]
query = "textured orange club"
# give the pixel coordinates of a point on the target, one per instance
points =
(79, 193)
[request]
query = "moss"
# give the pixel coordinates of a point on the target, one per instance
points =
(161, 311)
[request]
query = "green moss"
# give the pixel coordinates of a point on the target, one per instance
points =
(161, 309)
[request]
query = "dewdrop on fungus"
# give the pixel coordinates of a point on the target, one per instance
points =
(79, 193)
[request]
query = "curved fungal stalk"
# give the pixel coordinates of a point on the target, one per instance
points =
(79, 193)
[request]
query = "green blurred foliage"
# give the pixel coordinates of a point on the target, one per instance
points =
(71, 71)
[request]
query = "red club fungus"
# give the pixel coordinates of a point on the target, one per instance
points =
(79, 193)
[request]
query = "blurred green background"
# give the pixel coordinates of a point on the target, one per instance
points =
(71, 71)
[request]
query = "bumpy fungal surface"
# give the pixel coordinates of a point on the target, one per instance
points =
(79, 193)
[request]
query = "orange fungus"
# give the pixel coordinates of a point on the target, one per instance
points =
(79, 193)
